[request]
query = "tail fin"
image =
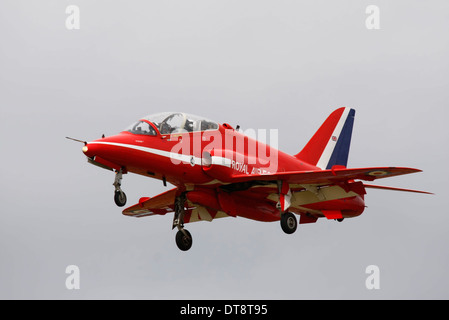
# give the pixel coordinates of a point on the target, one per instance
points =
(329, 146)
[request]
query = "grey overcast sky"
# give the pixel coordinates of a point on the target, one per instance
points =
(262, 64)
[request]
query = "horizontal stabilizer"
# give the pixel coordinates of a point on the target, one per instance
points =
(394, 189)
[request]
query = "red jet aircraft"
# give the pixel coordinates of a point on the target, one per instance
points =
(219, 172)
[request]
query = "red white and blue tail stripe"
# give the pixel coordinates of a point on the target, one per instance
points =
(329, 146)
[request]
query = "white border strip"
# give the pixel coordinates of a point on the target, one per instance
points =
(171, 155)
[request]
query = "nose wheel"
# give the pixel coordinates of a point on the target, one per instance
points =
(119, 195)
(119, 198)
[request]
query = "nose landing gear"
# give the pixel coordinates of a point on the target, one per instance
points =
(119, 195)
(119, 198)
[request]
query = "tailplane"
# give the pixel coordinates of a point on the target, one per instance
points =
(329, 146)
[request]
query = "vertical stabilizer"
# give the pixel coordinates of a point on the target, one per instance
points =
(329, 146)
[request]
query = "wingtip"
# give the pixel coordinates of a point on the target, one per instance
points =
(409, 170)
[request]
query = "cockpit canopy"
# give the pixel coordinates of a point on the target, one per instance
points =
(171, 122)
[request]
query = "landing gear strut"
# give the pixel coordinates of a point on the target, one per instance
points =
(119, 195)
(183, 237)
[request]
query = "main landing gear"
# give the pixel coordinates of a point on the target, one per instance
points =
(288, 222)
(119, 195)
(183, 237)
(288, 219)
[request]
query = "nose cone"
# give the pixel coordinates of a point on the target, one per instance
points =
(89, 150)
(105, 153)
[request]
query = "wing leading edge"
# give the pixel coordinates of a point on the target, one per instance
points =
(330, 176)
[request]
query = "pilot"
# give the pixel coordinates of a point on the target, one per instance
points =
(189, 125)
(206, 125)
(166, 128)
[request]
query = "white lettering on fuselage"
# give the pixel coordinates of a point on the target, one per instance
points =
(240, 167)
(243, 168)
(259, 171)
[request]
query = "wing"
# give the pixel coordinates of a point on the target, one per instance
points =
(264, 187)
(165, 203)
(303, 186)
(331, 176)
(160, 204)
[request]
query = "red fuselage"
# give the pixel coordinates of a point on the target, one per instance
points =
(204, 160)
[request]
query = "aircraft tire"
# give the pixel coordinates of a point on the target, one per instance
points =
(183, 241)
(288, 222)
(120, 198)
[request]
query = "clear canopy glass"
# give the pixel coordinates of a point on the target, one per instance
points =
(172, 122)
